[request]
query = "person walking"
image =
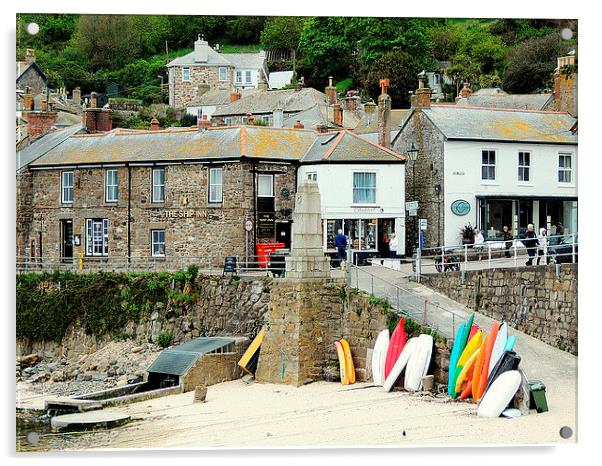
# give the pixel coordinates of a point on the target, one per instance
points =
(530, 242)
(479, 242)
(393, 242)
(340, 242)
(508, 239)
(543, 245)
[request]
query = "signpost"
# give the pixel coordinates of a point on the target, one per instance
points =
(423, 224)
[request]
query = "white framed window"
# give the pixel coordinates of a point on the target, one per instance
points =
(565, 167)
(215, 185)
(244, 120)
(364, 188)
(312, 176)
(67, 187)
(223, 73)
(248, 79)
(487, 164)
(186, 74)
(158, 188)
(239, 77)
(111, 185)
(228, 121)
(97, 237)
(265, 185)
(265, 119)
(158, 243)
(524, 166)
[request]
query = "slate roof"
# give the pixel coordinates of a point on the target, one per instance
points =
(213, 59)
(43, 145)
(233, 142)
(491, 124)
(369, 123)
(503, 100)
(216, 97)
(251, 61)
(322, 114)
(260, 102)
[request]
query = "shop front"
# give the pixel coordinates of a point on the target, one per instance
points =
(557, 215)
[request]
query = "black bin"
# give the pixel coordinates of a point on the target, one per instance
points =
(277, 263)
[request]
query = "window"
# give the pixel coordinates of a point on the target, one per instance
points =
(185, 74)
(228, 121)
(244, 120)
(223, 73)
(565, 168)
(248, 77)
(158, 185)
(488, 165)
(158, 243)
(265, 119)
(364, 188)
(265, 185)
(524, 164)
(111, 186)
(215, 185)
(313, 176)
(362, 234)
(67, 187)
(97, 237)
(239, 76)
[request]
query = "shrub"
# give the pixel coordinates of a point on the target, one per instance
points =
(164, 339)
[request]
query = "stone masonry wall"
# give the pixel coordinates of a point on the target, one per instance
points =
(533, 300)
(213, 368)
(429, 171)
(184, 91)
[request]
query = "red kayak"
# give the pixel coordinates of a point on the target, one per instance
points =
(474, 329)
(396, 344)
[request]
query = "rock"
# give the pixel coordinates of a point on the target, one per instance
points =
(154, 315)
(82, 358)
(57, 376)
(137, 349)
(99, 376)
(29, 370)
(122, 381)
(84, 377)
(200, 393)
(139, 373)
(52, 366)
(29, 359)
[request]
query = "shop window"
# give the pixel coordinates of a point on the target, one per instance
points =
(158, 243)
(97, 237)
(488, 165)
(67, 187)
(158, 185)
(361, 233)
(186, 74)
(524, 166)
(112, 185)
(215, 185)
(565, 168)
(364, 188)
(265, 185)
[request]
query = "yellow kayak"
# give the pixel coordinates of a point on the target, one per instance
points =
(247, 359)
(473, 345)
(341, 356)
(349, 368)
(464, 373)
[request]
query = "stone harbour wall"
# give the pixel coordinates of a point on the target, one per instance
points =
(533, 300)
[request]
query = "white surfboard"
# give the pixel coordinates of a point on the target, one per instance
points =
(419, 363)
(499, 394)
(400, 364)
(379, 355)
(498, 347)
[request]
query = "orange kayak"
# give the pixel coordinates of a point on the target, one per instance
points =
(495, 327)
(478, 368)
(467, 390)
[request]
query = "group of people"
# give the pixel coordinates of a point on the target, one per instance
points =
(340, 242)
(534, 244)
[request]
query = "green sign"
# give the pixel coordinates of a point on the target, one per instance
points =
(460, 207)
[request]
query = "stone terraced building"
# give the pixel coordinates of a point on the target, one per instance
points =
(172, 193)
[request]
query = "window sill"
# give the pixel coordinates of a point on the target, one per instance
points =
(376, 206)
(527, 184)
(489, 183)
(566, 185)
(215, 205)
(159, 258)
(67, 204)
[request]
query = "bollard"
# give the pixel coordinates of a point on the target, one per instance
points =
(81, 261)
(428, 382)
(200, 393)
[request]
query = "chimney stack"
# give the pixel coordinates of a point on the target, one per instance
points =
(352, 100)
(93, 100)
(44, 104)
(30, 56)
(384, 115)
(77, 96)
(154, 124)
(322, 128)
(235, 95)
(300, 84)
(331, 92)
(278, 118)
(465, 91)
(39, 123)
(422, 97)
(204, 123)
(299, 125)
(98, 120)
(28, 104)
(201, 50)
(337, 115)
(565, 86)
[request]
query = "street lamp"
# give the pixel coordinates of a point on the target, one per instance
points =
(412, 154)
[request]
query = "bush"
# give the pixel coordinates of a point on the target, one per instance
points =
(164, 339)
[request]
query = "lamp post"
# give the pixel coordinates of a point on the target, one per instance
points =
(412, 154)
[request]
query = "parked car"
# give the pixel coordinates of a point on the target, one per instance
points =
(560, 249)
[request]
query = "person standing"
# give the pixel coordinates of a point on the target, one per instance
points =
(340, 242)
(393, 246)
(543, 244)
(530, 242)
(479, 242)
(508, 240)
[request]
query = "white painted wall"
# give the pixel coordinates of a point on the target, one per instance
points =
(462, 176)
(244, 84)
(335, 182)
(207, 110)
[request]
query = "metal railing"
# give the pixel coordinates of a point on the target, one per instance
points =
(495, 254)
(405, 301)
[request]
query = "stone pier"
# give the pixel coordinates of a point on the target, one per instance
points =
(303, 305)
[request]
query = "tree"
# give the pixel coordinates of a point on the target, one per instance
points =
(402, 69)
(282, 33)
(110, 41)
(531, 63)
(244, 29)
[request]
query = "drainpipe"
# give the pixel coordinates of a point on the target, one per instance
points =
(129, 210)
(254, 209)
